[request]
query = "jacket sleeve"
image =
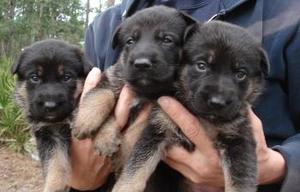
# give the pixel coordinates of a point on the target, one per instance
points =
(89, 45)
(290, 149)
(98, 38)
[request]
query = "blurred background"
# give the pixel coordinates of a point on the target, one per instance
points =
(23, 22)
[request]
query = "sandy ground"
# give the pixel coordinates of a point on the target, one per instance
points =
(19, 173)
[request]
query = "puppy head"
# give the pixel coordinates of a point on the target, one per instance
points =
(151, 41)
(225, 69)
(50, 76)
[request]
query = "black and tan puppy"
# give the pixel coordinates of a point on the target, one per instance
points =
(151, 42)
(224, 71)
(224, 74)
(50, 77)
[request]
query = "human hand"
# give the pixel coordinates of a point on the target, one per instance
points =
(203, 165)
(270, 163)
(89, 170)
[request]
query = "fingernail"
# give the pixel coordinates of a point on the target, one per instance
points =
(165, 101)
(93, 77)
(95, 70)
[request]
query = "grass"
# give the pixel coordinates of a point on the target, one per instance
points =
(14, 131)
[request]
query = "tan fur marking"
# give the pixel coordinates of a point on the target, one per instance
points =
(58, 173)
(229, 184)
(40, 70)
(21, 97)
(211, 57)
(79, 88)
(225, 167)
(128, 141)
(163, 121)
(137, 182)
(61, 69)
(96, 106)
(122, 58)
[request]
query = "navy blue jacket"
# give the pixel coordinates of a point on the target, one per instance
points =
(275, 23)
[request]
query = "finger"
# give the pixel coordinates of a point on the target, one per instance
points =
(258, 133)
(91, 81)
(183, 169)
(187, 122)
(84, 146)
(89, 170)
(257, 127)
(144, 114)
(177, 153)
(82, 151)
(180, 155)
(122, 109)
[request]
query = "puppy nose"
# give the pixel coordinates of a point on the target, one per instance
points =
(142, 63)
(217, 102)
(50, 104)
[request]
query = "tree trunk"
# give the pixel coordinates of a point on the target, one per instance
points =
(87, 13)
(11, 11)
(9, 17)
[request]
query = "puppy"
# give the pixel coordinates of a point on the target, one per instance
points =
(50, 77)
(151, 41)
(223, 72)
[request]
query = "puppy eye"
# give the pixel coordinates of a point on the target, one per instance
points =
(34, 78)
(67, 77)
(130, 41)
(201, 66)
(241, 75)
(167, 39)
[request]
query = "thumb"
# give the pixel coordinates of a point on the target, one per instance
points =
(187, 122)
(91, 81)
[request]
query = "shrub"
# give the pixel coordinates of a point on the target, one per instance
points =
(14, 131)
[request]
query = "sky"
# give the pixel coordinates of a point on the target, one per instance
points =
(95, 4)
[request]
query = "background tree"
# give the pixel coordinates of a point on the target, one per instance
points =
(23, 22)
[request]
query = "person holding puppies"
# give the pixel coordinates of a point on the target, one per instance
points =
(274, 119)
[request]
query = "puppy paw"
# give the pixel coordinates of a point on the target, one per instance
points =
(80, 131)
(94, 109)
(107, 140)
(131, 186)
(56, 188)
(107, 147)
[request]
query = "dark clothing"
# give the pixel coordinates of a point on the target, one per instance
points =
(275, 23)
(201, 9)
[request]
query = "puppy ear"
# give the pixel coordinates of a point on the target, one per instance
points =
(187, 18)
(87, 66)
(15, 67)
(264, 62)
(189, 31)
(190, 21)
(116, 39)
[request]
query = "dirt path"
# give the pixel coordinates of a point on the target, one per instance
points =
(19, 173)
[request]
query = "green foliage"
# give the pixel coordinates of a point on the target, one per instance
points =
(13, 129)
(23, 22)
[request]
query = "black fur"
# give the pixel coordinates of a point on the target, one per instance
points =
(223, 72)
(151, 41)
(50, 76)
